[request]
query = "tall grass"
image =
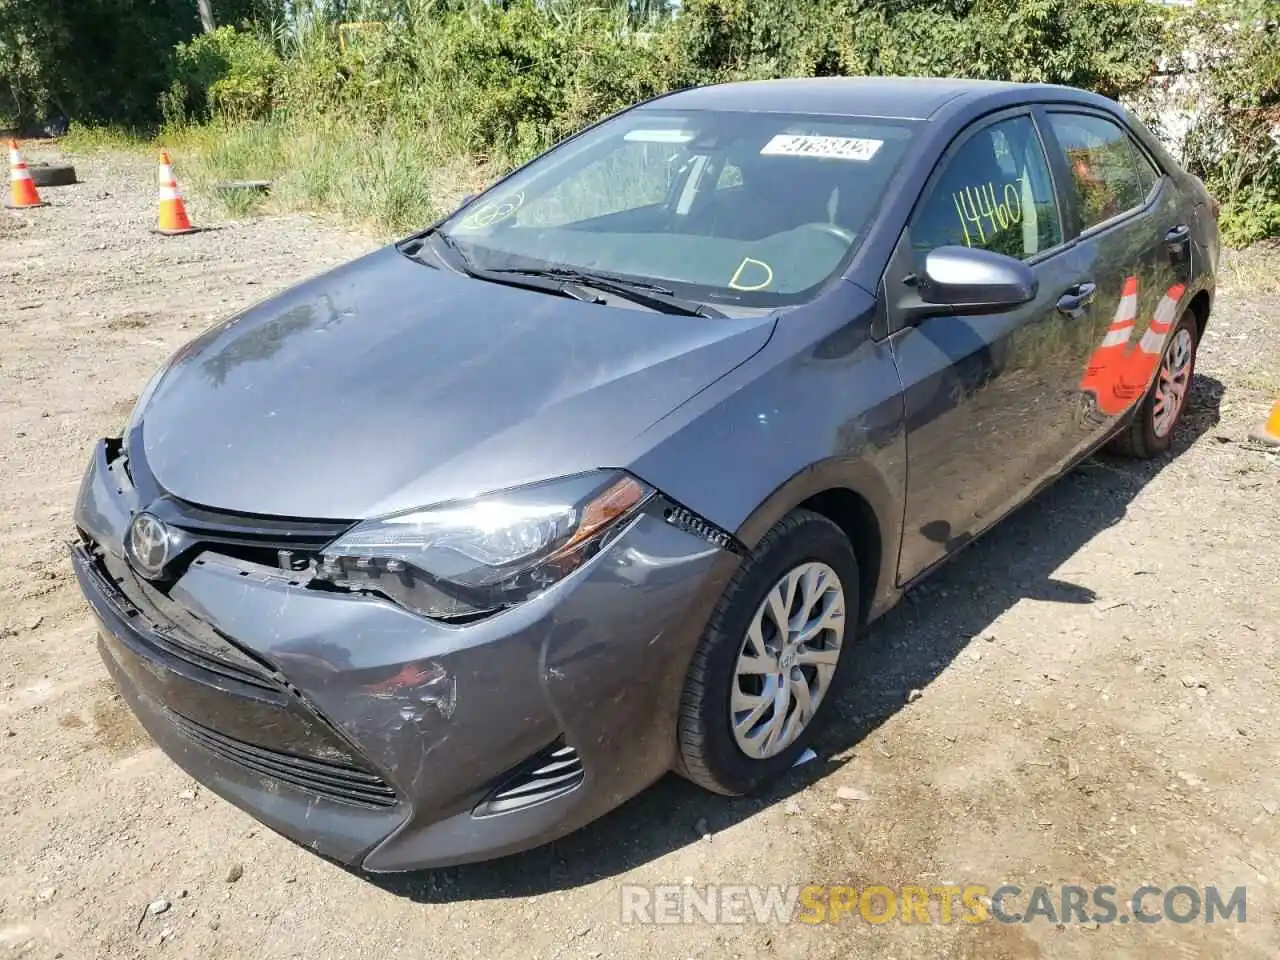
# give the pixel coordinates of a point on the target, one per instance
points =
(387, 178)
(82, 138)
(391, 127)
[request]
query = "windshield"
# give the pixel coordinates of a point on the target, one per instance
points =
(754, 209)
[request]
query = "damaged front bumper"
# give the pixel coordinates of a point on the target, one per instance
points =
(382, 739)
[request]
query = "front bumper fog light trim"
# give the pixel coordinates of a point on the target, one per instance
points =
(554, 772)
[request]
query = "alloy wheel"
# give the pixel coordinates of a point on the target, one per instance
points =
(1172, 383)
(787, 660)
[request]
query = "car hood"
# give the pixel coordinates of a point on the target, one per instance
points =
(385, 385)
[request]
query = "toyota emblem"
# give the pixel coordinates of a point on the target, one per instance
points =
(149, 544)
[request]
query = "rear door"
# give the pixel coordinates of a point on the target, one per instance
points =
(991, 401)
(1135, 245)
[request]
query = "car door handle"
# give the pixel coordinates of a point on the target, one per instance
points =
(1176, 241)
(1074, 301)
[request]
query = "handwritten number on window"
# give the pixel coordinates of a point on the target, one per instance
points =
(988, 209)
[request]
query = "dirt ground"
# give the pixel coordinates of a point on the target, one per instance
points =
(1100, 684)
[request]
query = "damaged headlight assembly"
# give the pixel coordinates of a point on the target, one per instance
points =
(462, 560)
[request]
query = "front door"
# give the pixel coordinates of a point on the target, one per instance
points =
(992, 401)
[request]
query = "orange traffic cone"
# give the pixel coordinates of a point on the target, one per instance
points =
(1145, 358)
(173, 215)
(22, 189)
(1269, 432)
(1103, 371)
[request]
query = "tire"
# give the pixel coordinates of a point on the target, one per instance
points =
(52, 174)
(247, 186)
(1146, 435)
(709, 752)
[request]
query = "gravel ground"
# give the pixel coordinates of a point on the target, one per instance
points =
(1098, 684)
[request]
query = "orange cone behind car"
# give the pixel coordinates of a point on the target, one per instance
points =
(1135, 375)
(22, 189)
(1268, 433)
(173, 215)
(1107, 361)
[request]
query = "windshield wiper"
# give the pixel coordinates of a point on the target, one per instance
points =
(650, 295)
(454, 255)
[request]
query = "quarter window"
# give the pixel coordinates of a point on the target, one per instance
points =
(994, 192)
(1108, 172)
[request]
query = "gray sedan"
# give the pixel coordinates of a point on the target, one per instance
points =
(451, 550)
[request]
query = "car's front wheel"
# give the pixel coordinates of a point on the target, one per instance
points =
(766, 669)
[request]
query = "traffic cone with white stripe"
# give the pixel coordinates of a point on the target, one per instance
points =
(1106, 362)
(173, 215)
(22, 189)
(1141, 366)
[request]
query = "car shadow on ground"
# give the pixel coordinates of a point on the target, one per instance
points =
(904, 651)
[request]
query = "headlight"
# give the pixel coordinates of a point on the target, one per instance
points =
(464, 559)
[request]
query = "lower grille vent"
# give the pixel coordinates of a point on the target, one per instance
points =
(550, 774)
(331, 780)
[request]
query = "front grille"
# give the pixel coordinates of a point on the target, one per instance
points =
(216, 684)
(262, 540)
(333, 781)
(252, 537)
(248, 531)
(550, 774)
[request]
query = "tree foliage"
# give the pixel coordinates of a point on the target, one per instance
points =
(501, 79)
(231, 72)
(99, 60)
(1234, 144)
(523, 64)
(1105, 45)
(96, 59)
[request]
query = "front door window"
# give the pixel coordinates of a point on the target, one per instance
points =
(995, 193)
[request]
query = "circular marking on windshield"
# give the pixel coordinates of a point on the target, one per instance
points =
(494, 211)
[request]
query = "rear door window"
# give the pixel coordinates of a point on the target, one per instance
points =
(1110, 175)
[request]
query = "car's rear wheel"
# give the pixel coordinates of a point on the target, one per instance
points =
(1150, 432)
(771, 658)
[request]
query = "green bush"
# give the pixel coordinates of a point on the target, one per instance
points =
(504, 80)
(229, 72)
(1106, 45)
(521, 78)
(1233, 143)
(498, 82)
(1252, 214)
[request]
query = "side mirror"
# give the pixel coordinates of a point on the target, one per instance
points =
(967, 280)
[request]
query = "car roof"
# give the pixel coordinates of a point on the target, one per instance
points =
(907, 98)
